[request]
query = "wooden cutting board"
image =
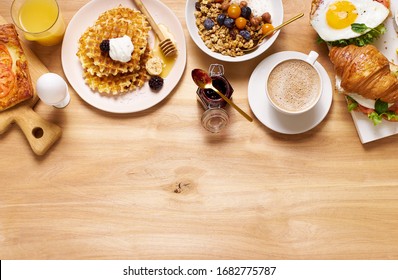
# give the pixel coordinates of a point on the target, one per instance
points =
(40, 133)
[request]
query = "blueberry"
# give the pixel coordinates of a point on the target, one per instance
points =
(246, 12)
(208, 24)
(229, 22)
(220, 19)
(245, 34)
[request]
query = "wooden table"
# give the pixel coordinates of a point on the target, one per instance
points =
(156, 185)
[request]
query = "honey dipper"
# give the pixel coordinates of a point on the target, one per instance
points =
(166, 45)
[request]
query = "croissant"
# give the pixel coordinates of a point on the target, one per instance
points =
(365, 71)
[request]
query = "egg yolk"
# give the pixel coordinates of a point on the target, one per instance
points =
(341, 14)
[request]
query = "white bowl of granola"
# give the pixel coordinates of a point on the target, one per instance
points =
(223, 32)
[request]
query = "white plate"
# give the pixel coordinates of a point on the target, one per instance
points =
(272, 118)
(130, 102)
(277, 19)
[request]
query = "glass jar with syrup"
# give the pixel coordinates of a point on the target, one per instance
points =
(215, 117)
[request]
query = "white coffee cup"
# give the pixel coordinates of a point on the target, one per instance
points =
(294, 85)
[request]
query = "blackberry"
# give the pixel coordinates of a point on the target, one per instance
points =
(156, 83)
(104, 46)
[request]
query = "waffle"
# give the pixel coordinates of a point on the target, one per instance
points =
(120, 83)
(101, 72)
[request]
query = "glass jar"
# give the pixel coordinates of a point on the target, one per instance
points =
(215, 117)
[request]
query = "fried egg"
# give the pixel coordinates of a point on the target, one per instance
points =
(333, 18)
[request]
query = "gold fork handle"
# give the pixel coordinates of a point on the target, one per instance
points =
(153, 24)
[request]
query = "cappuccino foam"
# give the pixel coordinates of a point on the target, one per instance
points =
(294, 85)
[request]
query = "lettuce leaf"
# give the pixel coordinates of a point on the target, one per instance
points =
(391, 116)
(351, 103)
(376, 116)
(365, 39)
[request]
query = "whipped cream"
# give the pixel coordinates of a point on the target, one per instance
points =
(120, 49)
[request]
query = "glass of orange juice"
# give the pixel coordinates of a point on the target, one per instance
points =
(40, 20)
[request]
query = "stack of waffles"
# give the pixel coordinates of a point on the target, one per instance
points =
(108, 76)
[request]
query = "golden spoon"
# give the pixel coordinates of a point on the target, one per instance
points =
(259, 43)
(203, 80)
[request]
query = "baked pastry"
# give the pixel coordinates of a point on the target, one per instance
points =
(365, 71)
(369, 81)
(15, 81)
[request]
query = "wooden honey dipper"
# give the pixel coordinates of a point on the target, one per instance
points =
(166, 45)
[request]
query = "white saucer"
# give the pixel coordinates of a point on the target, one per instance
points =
(272, 118)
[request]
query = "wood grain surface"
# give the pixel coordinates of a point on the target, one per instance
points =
(156, 185)
(40, 133)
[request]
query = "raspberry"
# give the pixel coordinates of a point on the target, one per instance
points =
(156, 83)
(104, 46)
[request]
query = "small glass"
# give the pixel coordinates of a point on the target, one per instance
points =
(40, 20)
(215, 117)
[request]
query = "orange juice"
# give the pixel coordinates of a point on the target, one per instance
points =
(41, 21)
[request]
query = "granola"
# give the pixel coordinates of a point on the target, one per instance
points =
(219, 38)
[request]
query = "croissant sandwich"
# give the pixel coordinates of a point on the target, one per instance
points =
(369, 80)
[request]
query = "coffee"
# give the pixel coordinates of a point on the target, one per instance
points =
(294, 85)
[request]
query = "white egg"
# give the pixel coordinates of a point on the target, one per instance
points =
(52, 90)
(333, 18)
